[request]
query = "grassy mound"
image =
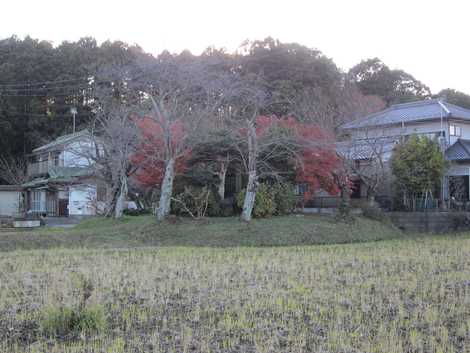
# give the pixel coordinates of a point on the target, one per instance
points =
(214, 232)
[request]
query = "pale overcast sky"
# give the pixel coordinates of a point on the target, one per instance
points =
(429, 39)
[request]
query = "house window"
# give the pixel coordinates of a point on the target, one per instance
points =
(37, 204)
(300, 189)
(455, 130)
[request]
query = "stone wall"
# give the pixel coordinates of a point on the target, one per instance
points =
(431, 222)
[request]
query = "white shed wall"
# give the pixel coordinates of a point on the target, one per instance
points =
(82, 200)
(10, 203)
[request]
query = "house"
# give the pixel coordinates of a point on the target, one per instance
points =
(60, 178)
(380, 132)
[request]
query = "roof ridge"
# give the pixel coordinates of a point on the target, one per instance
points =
(455, 106)
(463, 145)
(62, 139)
(367, 117)
(416, 103)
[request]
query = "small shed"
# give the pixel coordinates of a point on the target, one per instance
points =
(11, 199)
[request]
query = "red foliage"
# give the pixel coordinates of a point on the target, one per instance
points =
(318, 156)
(319, 159)
(150, 157)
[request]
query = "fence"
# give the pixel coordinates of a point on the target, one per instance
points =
(385, 202)
(38, 168)
(431, 222)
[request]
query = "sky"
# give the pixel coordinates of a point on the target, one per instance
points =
(429, 39)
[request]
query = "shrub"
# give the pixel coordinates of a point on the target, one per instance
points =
(373, 212)
(265, 206)
(137, 212)
(284, 198)
(220, 208)
(66, 321)
(195, 201)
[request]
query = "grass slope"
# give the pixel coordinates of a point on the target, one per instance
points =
(216, 232)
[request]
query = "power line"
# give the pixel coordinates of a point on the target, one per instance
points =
(40, 88)
(29, 84)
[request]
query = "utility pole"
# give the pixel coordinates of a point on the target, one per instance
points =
(73, 111)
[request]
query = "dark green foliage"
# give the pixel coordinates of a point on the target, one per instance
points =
(57, 78)
(418, 166)
(137, 212)
(265, 206)
(63, 322)
(221, 208)
(373, 77)
(284, 198)
(272, 199)
(455, 97)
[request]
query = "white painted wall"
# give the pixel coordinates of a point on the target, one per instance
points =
(75, 154)
(10, 203)
(82, 200)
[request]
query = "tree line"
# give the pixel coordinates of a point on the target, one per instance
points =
(39, 83)
(269, 110)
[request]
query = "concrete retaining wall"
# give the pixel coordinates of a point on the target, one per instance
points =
(431, 222)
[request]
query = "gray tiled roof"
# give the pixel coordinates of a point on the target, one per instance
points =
(366, 148)
(415, 111)
(459, 151)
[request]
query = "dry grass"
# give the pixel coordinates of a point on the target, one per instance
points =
(391, 296)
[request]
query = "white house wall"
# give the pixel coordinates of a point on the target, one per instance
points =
(82, 200)
(10, 203)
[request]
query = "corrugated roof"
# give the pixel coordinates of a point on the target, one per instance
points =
(61, 175)
(415, 111)
(61, 141)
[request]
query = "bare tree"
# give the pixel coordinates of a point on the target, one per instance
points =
(367, 159)
(312, 105)
(12, 170)
(245, 101)
(115, 139)
(179, 94)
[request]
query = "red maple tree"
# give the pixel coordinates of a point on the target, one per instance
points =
(315, 158)
(318, 160)
(150, 157)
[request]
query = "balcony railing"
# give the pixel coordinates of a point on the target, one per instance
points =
(39, 168)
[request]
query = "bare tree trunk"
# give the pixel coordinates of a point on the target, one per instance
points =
(252, 184)
(119, 207)
(167, 190)
(371, 197)
(222, 176)
(345, 203)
